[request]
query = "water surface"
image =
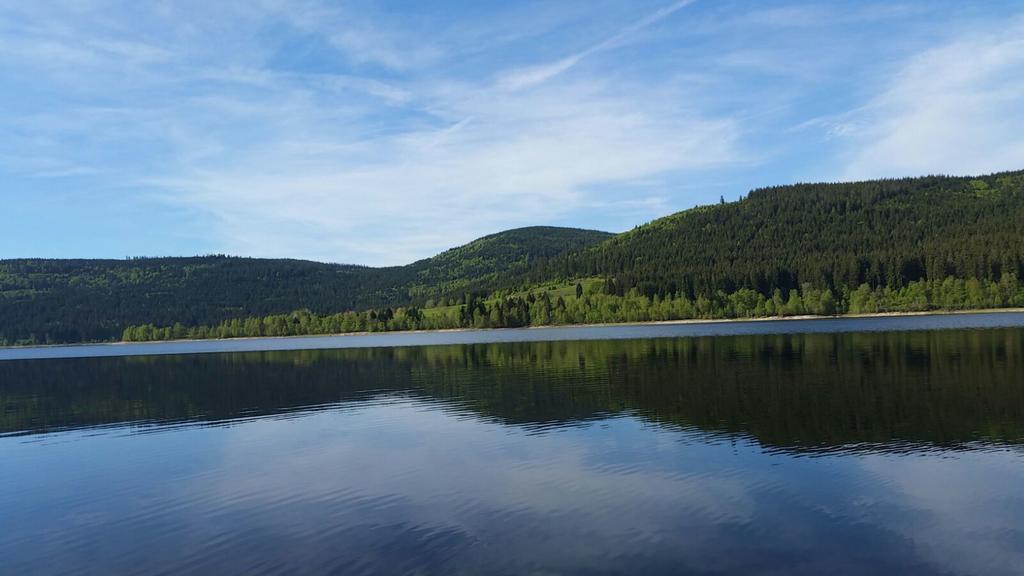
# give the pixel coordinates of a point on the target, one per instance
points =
(938, 321)
(838, 453)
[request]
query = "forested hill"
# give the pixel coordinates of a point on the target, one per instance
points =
(480, 266)
(884, 233)
(52, 301)
(910, 244)
(47, 301)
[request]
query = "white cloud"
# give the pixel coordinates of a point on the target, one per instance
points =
(344, 166)
(344, 133)
(954, 109)
(502, 161)
(527, 77)
(357, 37)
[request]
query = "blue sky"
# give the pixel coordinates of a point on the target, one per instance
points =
(384, 132)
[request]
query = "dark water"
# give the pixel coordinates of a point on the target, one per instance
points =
(820, 453)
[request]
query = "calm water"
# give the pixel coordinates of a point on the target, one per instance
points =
(809, 453)
(616, 332)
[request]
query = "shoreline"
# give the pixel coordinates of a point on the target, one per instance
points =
(687, 321)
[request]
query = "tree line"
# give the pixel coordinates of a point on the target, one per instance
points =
(45, 301)
(883, 233)
(817, 248)
(605, 304)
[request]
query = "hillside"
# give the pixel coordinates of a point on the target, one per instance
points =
(490, 262)
(908, 245)
(914, 244)
(44, 300)
(885, 233)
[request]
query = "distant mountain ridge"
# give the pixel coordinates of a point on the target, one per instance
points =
(933, 242)
(54, 300)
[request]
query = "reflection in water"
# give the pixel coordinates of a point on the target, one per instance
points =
(801, 392)
(637, 456)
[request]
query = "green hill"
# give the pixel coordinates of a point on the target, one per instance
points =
(915, 244)
(490, 262)
(44, 300)
(910, 244)
(884, 233)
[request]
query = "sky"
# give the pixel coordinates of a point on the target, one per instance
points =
(379, 133)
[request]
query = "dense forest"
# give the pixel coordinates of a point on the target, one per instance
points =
(914, 244)
(46, 301)
(55, 301)
(478, 267)
(548, 307)
(883, 233)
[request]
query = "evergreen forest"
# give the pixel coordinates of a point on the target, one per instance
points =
(895, 245)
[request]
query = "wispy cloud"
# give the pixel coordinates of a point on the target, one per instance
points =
(956, 109)
(512, 160)
(521, 78)
(305, 128)
(360, 39)
(349, 167)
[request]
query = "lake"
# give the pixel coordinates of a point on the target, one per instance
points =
(875, 446)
